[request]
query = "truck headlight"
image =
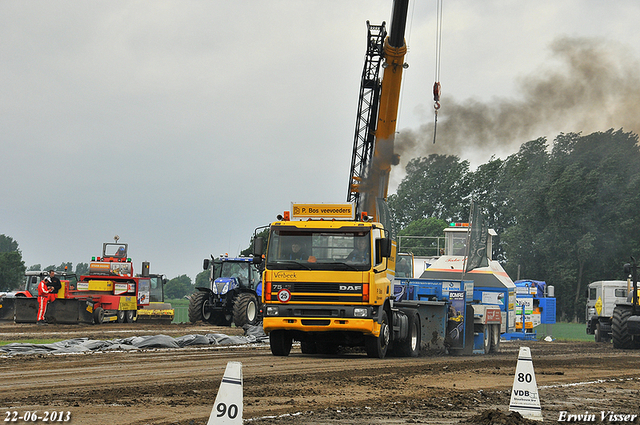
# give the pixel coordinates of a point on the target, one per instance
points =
(272, 311)
(360, 312)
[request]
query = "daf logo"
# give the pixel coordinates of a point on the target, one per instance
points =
(351, 288)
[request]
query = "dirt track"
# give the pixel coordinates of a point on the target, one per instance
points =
(178, 386)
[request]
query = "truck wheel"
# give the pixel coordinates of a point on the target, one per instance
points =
(495, 338)
(487, 338)
(621, 337)
(598, 333)
(377, 346)
(129, 316)
(327, 348)
(411, 347)
(280, 343)
(98, 315)
(308, 347)
(195, 306)
(245, 310)
(120, 314)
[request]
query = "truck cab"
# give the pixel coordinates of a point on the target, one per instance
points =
(602, 297)
(326, 281)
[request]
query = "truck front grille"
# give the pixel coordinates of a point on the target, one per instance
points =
(305, 292)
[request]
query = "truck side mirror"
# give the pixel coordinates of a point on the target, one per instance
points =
(205, 264)
(258, 248)
(385, 247)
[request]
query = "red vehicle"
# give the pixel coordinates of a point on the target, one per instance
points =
(110, 292)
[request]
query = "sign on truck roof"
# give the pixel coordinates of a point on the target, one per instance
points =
(344, 211)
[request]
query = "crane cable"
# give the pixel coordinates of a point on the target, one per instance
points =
(436, 85)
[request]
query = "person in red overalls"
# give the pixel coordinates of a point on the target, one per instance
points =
(43, 299)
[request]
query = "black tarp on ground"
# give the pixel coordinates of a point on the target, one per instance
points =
(253, 334)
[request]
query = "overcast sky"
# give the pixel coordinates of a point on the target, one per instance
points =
(181, 126)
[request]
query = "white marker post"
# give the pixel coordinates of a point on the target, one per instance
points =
(524, 395)
(227, 408)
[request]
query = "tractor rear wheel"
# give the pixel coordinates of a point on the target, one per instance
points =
(121, 315)
(245, 310)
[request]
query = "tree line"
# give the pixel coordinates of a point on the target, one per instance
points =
(565, 213)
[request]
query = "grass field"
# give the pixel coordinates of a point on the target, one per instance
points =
(565, 332)
(31, 341)
(181, 310)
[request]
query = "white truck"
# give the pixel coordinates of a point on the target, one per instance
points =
(602, 297)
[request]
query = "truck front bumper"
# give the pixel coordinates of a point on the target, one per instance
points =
(322, 318)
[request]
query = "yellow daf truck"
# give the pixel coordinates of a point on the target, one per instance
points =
(326, 281)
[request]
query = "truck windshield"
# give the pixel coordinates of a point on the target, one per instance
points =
(456, 243)
(309, 249)
(404, 265)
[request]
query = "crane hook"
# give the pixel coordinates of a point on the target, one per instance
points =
(436, 106)
(436, 91)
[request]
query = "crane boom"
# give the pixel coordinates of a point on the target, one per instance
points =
(371, 186)
(368, 104)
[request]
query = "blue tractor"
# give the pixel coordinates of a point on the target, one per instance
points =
(234, 294)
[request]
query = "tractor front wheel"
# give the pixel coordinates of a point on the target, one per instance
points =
(196, 304)
(246, 310)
